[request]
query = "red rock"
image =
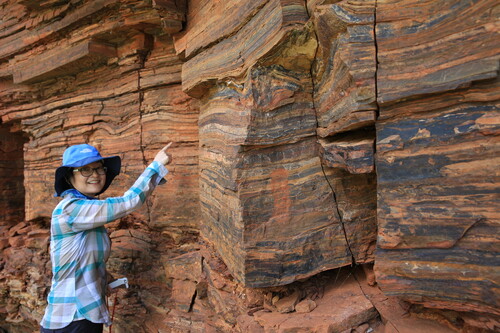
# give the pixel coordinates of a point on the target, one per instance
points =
(4, 242)
(36, 233)
(305, 306)
(244, 92)
(16, 258)
(352, 308)
(183, 292)
(248, 324)
(130, 247)
(253, 297)
(16, 241)
(439, 63)
(435, 155)
(24, 230)
(396, 315)
(208, 23)
(120, 233)
(356, 197)
(18, 42)
(139, 234)
(14, 230)
(287, 304)
(425, 214)
(185, 267)
(369, 274)
(362, 328)
(243, 47)
(68, 60)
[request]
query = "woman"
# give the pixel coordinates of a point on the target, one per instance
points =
(79, 244)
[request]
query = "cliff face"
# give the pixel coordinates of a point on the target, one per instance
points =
(308, 137)
(437, 156)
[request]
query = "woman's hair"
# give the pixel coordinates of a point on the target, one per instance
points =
(67, 176)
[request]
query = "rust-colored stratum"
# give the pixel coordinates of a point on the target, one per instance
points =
(336, 163)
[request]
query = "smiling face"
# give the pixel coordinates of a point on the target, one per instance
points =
(90, 185)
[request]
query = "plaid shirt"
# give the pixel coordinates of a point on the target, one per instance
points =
(80, 246)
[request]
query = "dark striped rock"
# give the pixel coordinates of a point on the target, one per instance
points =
(266, 204)
(438, 223)
(268, 209)
(437, 155)
(344, 68)
(354, 155)
(276, 23)
(455, 44)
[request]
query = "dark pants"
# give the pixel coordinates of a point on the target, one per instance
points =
(79, 326)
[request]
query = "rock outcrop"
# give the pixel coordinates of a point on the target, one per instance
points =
(313, 140)
(437, 155)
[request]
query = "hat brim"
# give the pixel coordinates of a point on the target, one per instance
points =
(112, 163)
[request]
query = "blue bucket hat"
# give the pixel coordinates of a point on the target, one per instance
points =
(79, 155)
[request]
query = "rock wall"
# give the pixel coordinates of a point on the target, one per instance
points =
(107, 80)
(437, 155)
(311, 138)
(268, 202)
(11, 174)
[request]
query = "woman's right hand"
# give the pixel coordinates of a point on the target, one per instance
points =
(162, 156)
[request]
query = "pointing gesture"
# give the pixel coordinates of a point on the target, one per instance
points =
(162, 156)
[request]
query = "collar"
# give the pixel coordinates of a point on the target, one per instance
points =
(76, 194)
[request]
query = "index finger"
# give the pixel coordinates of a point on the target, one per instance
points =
(166, 147)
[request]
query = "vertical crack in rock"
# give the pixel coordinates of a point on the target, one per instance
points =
(353, 260)
(192, 301)
(377, 110)
(377, 113)
(101, 109)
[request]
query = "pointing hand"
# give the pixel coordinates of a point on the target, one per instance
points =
(162, 156)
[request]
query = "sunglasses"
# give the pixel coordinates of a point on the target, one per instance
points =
(88, 171)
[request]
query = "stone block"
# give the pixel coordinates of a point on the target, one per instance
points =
(345, 65)
(64, 60)
(354, 155)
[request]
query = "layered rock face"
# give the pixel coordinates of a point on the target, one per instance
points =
(267, 200)
(309, 136)
(437, 155)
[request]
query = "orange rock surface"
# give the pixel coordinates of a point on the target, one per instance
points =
(310, 137)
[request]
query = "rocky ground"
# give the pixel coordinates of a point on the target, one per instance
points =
(179, 284)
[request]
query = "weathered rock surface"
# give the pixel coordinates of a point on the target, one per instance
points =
(437, 156)
(11, 175)
(352, 308)
(122, 106)
(24, 276)
(265, 201)
(345, 65)
(456, 44)
(308, 136)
